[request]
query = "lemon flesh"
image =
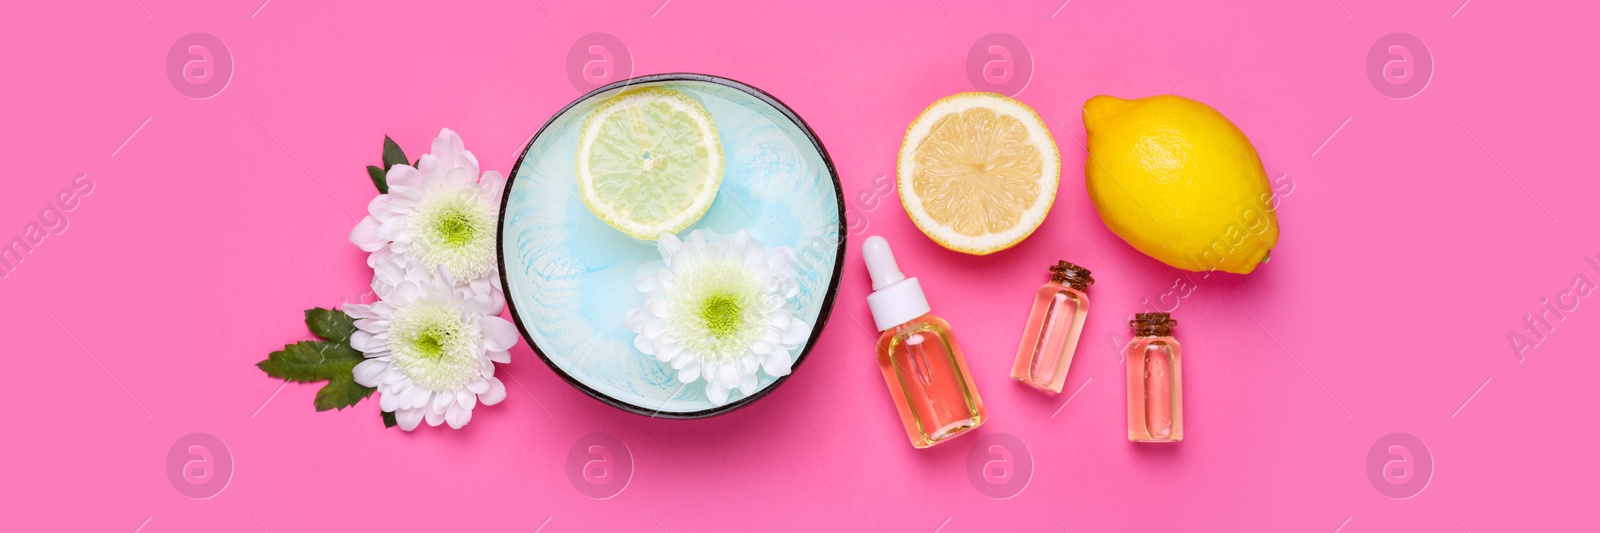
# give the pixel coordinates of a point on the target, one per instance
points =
(978, 172)
(649, 162)
(1179, 182)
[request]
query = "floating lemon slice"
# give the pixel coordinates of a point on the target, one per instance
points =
(649, 161)
(978, 172)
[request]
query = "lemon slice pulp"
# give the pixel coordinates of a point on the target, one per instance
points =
(649, 161)
(978, 172)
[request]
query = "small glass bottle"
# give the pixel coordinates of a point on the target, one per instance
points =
(1155, 380)
(918, 355)
(1053, 328)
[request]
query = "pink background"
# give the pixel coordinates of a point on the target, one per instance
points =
(1409, 252)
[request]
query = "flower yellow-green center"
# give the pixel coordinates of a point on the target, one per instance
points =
(722, 313)
(454, 227)
(718, 310)
(456, 230)
(434, 346)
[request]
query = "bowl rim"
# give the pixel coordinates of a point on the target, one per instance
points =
(828, 299)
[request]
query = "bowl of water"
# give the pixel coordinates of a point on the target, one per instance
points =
(569, 277)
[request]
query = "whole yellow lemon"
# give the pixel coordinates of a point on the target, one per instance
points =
(1179, 182)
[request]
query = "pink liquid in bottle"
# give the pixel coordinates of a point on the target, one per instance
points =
(1053, 328)
(1155, 385)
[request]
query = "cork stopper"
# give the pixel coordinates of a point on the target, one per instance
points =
(1071, 275)
(1152, 324)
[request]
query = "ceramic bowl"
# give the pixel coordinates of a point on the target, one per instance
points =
(568, 276)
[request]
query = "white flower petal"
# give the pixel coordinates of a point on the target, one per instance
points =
(440, 403)
(359, 339)
(435, 418)
(777, 364)
(498, 333)
(388, 401)
(690, 372)
(669, 349)
(492, 185)
(499, 356)
(370, 372)
(780, 319)
(495, 394)
(358, 311)
(644, 345)
(417, 397)
(458, 416)
(402, 179)
(797, 332)
(408, 418)
(447, 147)
(365, 235)
(379, 207)
(716, 393)
(668, 244)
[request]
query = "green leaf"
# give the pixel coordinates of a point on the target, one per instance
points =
(308, 361)
(388, 419)
(332, 360)
(340, 393)
(379, 179)
(330, 324)
(392, 155)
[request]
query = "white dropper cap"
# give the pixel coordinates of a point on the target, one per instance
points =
(895, 298)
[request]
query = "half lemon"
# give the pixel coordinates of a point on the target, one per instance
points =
(978, 172)
(649, 161)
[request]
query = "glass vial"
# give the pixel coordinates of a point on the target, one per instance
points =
(918, 354)
(1155, 380)
(1051, 335)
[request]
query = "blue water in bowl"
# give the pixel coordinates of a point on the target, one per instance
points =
(570, 276)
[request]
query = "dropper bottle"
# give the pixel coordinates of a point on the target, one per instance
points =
(917, 352)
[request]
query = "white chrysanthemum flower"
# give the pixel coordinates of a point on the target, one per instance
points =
(442, 214)
(718, 308)
(430, 349)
